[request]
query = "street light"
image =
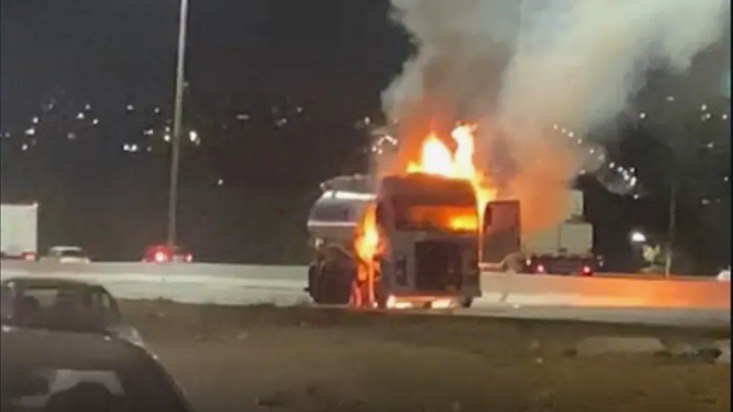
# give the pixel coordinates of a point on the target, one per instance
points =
(177, 124)
(638, 237)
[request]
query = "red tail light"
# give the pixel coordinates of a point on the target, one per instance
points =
(587, 270)
(160, 256)
(189, 258)
(29, 256)
(540, 269)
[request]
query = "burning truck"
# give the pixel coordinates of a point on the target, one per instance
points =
(407, 239)
(420, 237)
(413, 242)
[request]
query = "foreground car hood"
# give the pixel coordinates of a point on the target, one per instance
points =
(127, 333)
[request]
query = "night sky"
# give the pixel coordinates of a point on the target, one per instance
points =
(274, 90)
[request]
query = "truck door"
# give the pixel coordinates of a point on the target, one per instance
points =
(501, 234)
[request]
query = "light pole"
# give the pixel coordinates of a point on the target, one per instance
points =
(177, 124)
(671, 229)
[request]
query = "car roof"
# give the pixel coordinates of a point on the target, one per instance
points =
(49, 282)
(61, 349)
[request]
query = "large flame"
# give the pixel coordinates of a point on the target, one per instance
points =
(367, 241)
(436, 158)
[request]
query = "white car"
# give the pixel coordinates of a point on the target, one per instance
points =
(66, 254)
(724, 275)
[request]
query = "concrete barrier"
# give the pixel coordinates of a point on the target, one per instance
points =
(604, 292)
(187, 283)
(246, 284)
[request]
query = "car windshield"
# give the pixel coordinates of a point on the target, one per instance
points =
(64, 307)
(69, 390)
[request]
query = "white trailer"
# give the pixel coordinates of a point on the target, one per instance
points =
(564, 248)
(19, 231)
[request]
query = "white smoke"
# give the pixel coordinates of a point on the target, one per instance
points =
(578, 64)
(574, 62)
(518, 67)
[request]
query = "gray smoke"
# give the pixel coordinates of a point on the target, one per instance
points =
(540, 62)
(519, 67)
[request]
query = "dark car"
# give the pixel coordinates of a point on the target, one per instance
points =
(70, 371)
(62, 304)
(167, 254)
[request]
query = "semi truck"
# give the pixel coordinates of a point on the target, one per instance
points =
(431, 259)
(430, 228)
(19, 231)
(565, 248)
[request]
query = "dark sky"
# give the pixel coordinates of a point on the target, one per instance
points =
(318, 66)
(274, 90)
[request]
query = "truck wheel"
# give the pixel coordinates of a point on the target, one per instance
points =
(335, 284)
(311, 288)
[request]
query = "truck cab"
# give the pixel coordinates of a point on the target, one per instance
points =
(431, 255)
(429, 228)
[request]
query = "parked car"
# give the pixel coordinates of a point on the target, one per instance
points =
(66, 254)
(167, 254)
(45, 370)
(724, 275)
(62, 304)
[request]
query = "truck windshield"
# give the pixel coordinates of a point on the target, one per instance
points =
(428, 215)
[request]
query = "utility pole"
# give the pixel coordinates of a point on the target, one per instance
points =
(177, 124)
(671, 228)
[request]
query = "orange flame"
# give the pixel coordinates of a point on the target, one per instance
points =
(437, 159)
(367, 243)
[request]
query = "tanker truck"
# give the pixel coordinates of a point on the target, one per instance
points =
(429, 228)
(430, 261)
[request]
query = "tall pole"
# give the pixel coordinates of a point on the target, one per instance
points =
(671, 229)
(177, 124)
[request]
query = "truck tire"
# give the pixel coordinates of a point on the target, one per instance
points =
(334, 284)
(313, 276)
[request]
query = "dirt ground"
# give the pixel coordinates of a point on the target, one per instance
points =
(304, 359)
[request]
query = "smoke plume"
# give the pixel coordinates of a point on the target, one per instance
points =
(519, 67)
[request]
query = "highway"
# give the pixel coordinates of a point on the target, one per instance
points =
(618, 299)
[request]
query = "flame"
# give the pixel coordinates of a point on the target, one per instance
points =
(368, 245)
(367, 242)
(436, 158)
(463, 223)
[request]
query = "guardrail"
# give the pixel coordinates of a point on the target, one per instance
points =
(283, 285)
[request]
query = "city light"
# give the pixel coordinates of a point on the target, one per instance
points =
(638, 237)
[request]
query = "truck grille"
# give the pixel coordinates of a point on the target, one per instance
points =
(439, 266)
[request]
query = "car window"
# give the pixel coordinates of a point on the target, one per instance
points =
(67, 308)
(65, 389)
(71, 253)
(102, 302)
(45, 297)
